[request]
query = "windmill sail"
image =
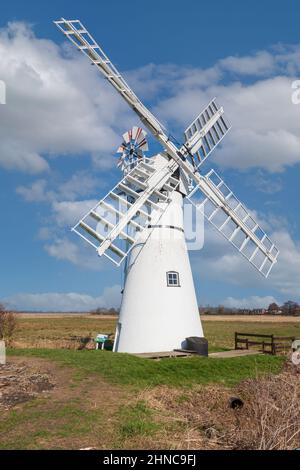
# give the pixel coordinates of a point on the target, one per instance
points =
(78, 35)
(111, 226)
(206, 132)
(201, 137)
(230, 217)
(83, 40)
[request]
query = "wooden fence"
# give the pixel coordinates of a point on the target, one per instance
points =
(268, 344)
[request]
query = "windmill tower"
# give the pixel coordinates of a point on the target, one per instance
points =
(140, 221)
(159, 306)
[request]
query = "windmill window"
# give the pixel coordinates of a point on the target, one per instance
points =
(173, 279)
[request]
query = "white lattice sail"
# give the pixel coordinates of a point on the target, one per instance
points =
(206, 132)
(231, 218)
(111, 226)
(201, 137)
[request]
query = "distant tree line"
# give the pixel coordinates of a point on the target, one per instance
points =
(288, 308)
(104, 311)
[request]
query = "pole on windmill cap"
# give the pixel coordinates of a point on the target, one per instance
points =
(198, 345)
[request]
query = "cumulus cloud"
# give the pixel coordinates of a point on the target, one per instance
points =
(260, 63)
(36, 192)
(65, 302)
(81, 184)
(286, 276)
(67, 213)
(264, 130)
(220, 262)
(61, 217)
(52, 108)
(249, 302)
(79, 254)
(281, 58)
(260, 181)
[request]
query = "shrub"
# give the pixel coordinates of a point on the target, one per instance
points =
(8, 323)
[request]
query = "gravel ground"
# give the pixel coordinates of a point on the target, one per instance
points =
(20, 383)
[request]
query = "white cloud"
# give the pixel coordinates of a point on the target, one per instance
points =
(65, 302)
(265, 132)
(36, 192)
(62, 216)
(286, 276)
(264, 121)
(220, 262)
(250, 302)
(260, 63)
(52, 107)
(80, 254)
(152, 80)
(67, 213)
(80, 184)
(264, 184)
(63, 249)
(15, 156)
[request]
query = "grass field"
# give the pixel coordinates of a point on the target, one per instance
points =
(139, 373)
(57, 331)
(53, 331)
(220, 334)
(109, 401)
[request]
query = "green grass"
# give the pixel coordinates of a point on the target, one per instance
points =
(70, 421)
(220, 334)
(136, 420)
(130, 370)
(57, 332)
(46, 426)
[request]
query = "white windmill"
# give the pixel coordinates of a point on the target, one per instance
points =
(141, 218)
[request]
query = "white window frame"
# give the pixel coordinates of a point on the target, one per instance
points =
(175, 275)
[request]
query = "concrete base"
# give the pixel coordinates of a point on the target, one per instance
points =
(234, 353)
(163, 354)
(188, 353)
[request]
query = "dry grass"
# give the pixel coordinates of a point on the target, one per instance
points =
(8, 324)
(202, 418)
(169, 416)
(271, 418)
(251, 318)
(59, 330)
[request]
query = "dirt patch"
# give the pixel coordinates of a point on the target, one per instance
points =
(20, 383)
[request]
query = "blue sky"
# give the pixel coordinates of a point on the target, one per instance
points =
(62, 123)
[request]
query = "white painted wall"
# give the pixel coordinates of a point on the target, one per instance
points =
(153, 316)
